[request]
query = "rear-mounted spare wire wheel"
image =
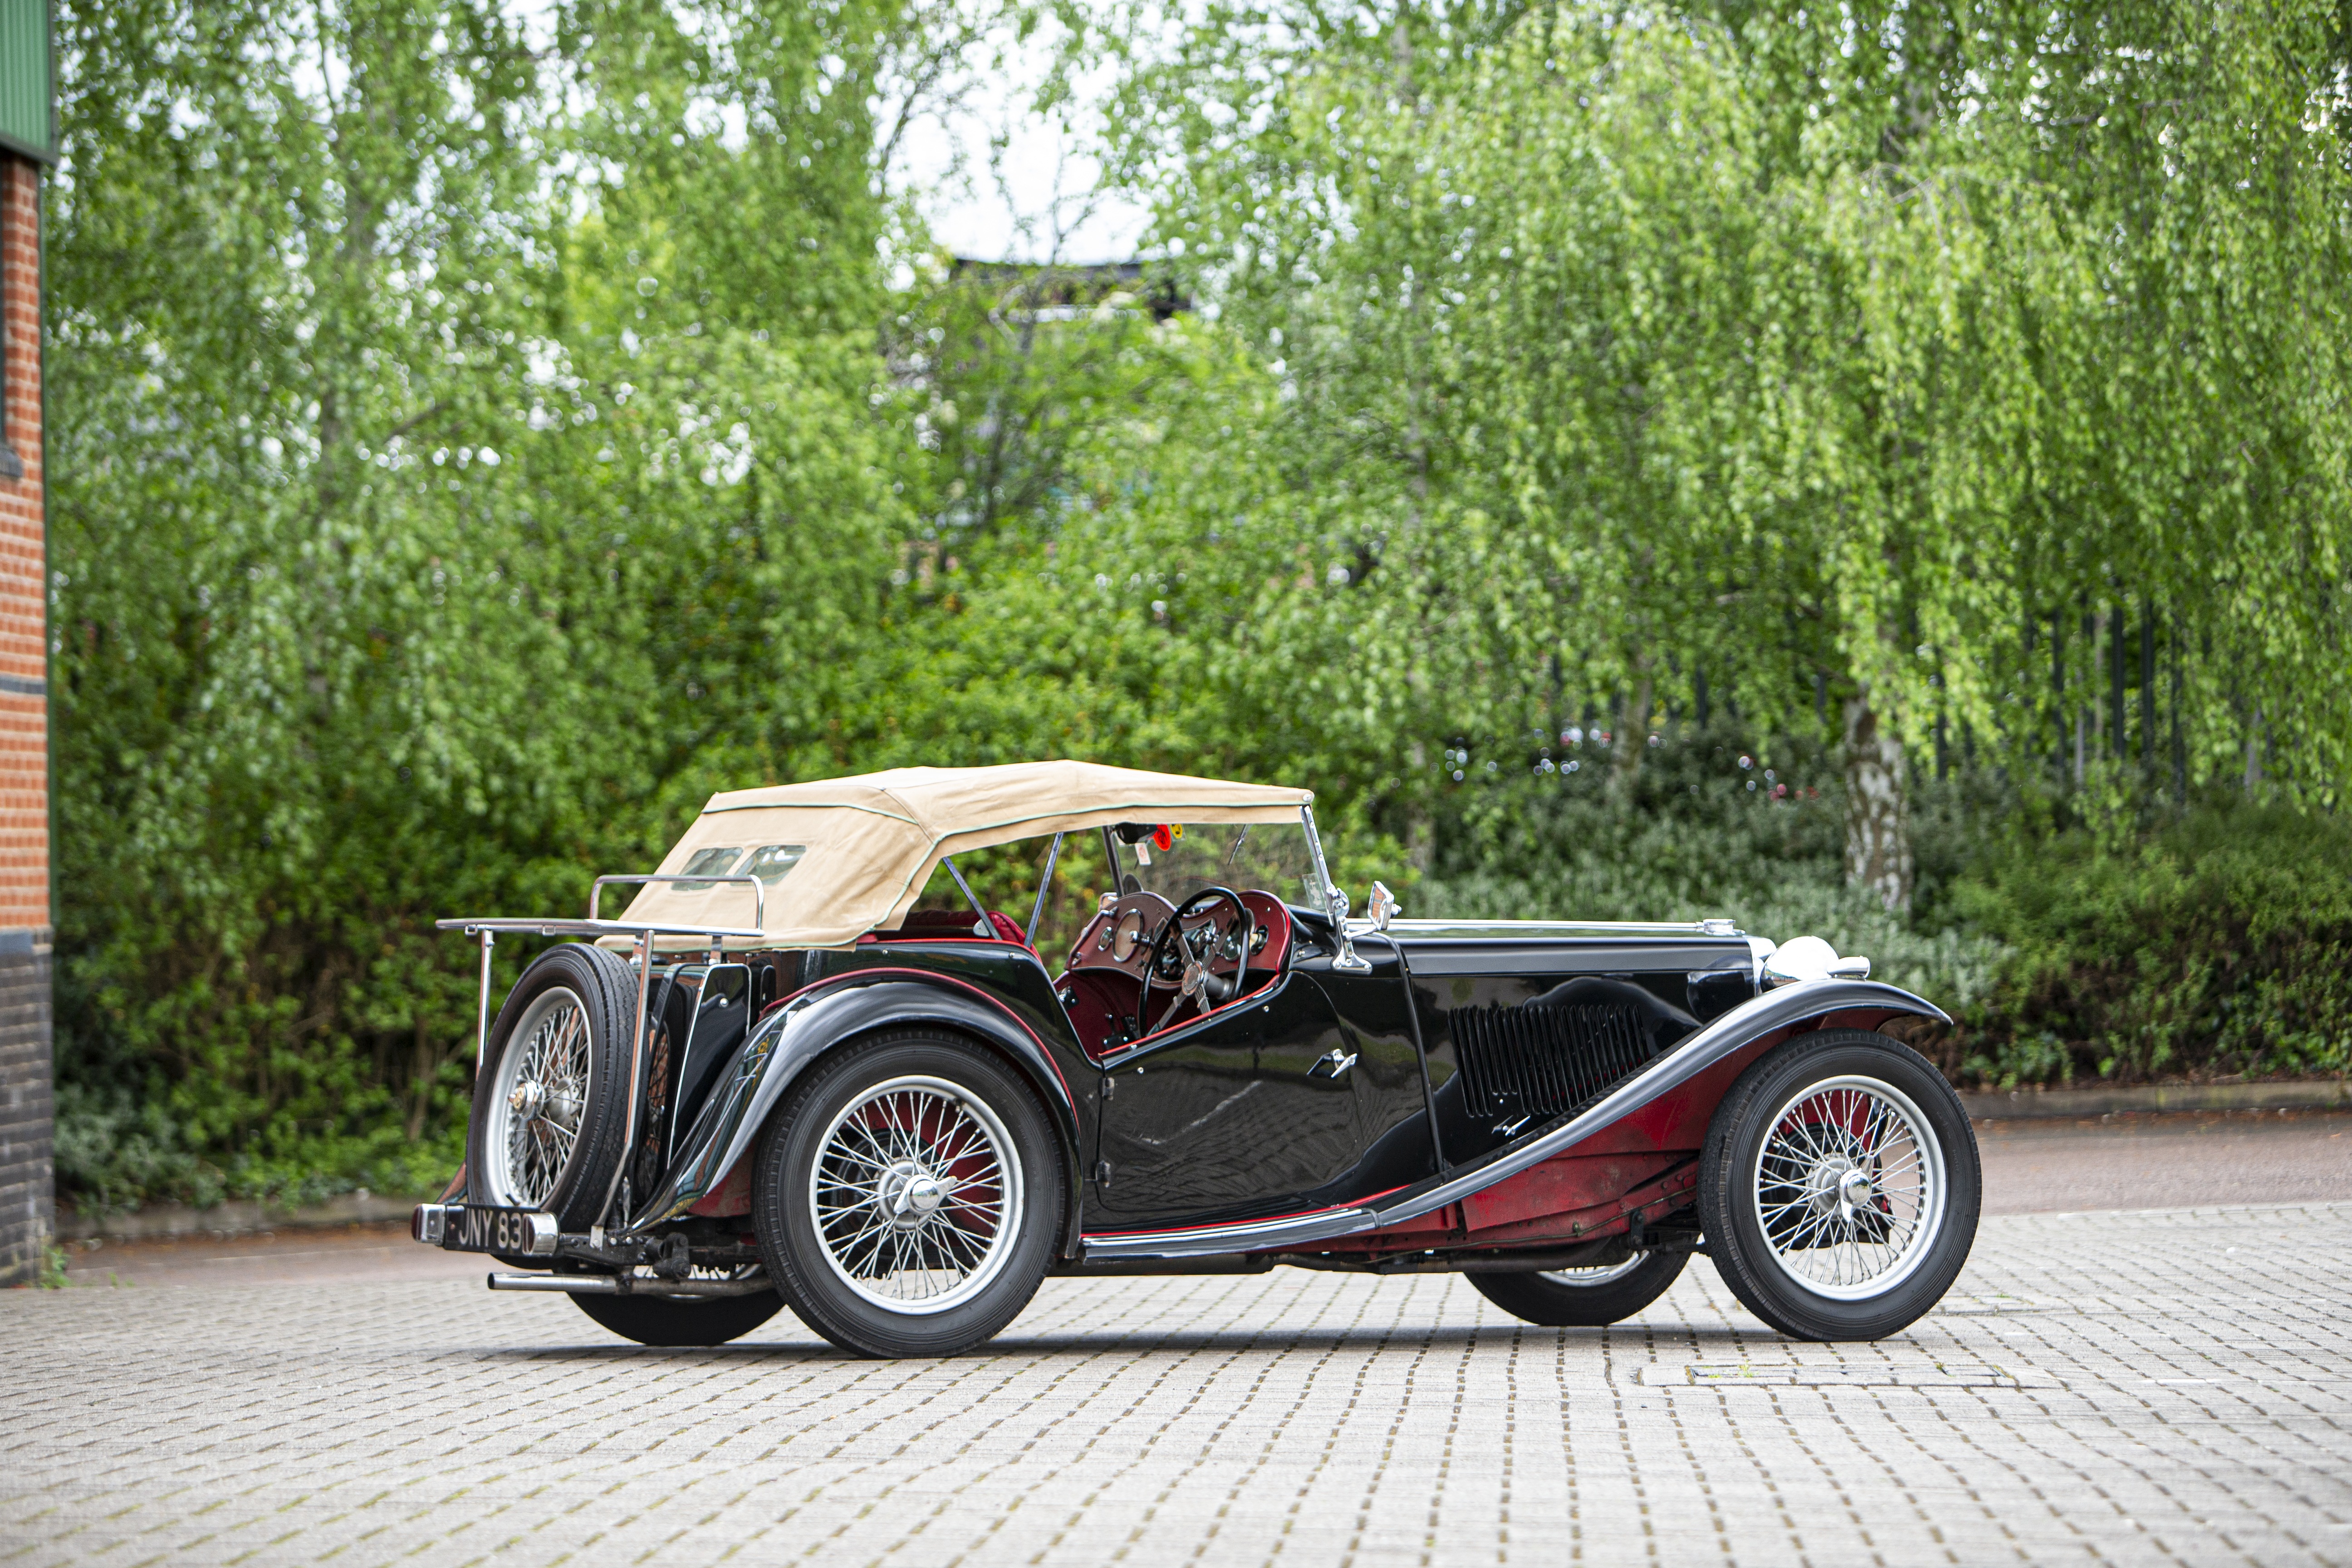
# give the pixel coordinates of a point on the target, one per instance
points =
(550, 1115)
(549, 1102)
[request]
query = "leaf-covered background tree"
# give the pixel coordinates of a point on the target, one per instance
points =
(1827, 466)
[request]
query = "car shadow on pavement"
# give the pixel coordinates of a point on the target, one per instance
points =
(1618, 1336)
(740, 1350)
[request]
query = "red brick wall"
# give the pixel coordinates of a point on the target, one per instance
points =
(23, 661)
(28, 1201)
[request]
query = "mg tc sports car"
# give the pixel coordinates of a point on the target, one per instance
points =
(811, 1067)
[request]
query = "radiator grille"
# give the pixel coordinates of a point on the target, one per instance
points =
(1541, 1062)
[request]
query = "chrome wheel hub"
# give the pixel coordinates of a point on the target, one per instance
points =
(916, 1194)
(1837, 1186)
(910, 1194)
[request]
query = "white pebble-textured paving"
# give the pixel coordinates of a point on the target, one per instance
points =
(2171, 1386)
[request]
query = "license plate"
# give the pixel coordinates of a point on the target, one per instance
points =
(477, 1227)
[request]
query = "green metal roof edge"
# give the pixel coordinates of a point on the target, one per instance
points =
(27, 150)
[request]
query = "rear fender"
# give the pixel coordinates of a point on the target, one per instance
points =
(783, 1044)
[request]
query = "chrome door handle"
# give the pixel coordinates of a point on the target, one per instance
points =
(1332, 1064)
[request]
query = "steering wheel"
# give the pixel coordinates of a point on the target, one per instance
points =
(1198, 982)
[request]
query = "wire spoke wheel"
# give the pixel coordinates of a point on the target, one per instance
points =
(1840, 1187)
(1848, 1187)
(538, 1101)
(916, 1195)
(908, 1194)
(546, 1127)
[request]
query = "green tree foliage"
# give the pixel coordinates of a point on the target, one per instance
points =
(479, 433)
(2218, 944)
(1647, 345)
(441, 503)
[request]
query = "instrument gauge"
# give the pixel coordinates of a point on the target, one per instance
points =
(1125, 935)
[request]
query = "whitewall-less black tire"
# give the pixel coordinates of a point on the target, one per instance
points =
(551, 1097)
(907, 1193)
(1583, 1298)
(1840, 1187)
(669, 1321)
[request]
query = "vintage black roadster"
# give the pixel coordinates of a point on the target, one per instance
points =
(808, 1066)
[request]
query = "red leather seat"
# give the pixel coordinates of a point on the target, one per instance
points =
(937, 923)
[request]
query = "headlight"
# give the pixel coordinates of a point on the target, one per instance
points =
(1810, 958)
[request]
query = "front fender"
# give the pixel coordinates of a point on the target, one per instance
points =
(1865, 1003)
(807, 1026)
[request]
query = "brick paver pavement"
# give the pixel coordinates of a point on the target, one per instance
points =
(2145, 1387)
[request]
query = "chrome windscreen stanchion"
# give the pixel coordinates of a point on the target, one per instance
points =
(1333, 901)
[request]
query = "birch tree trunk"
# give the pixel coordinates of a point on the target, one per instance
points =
(1877, 807)
(1632, 736)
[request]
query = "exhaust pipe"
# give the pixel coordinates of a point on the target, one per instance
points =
(628, 1285)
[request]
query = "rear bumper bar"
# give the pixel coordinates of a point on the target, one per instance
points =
(438, 1224)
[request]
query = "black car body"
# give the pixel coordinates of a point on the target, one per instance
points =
(1530, 1103)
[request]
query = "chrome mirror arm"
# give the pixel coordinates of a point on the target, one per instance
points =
(1335, 898)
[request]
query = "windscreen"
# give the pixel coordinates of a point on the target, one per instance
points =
(1177, 859)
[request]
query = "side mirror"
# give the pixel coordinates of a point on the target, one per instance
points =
(1382, 907)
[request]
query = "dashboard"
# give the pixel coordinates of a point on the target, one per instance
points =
(1118, 939)
(1103, 986)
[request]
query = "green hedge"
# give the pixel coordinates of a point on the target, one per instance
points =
(2149, 943)
(2216, 944)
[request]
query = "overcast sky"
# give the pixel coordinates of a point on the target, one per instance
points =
(1039, 199)
(1010, 209)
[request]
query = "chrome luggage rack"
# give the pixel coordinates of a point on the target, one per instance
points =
(643, 931)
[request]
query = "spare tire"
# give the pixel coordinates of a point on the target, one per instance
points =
(551, 1100)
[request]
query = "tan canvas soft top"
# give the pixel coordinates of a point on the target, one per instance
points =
(871, 842)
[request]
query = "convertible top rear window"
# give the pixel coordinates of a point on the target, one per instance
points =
(771, 862)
